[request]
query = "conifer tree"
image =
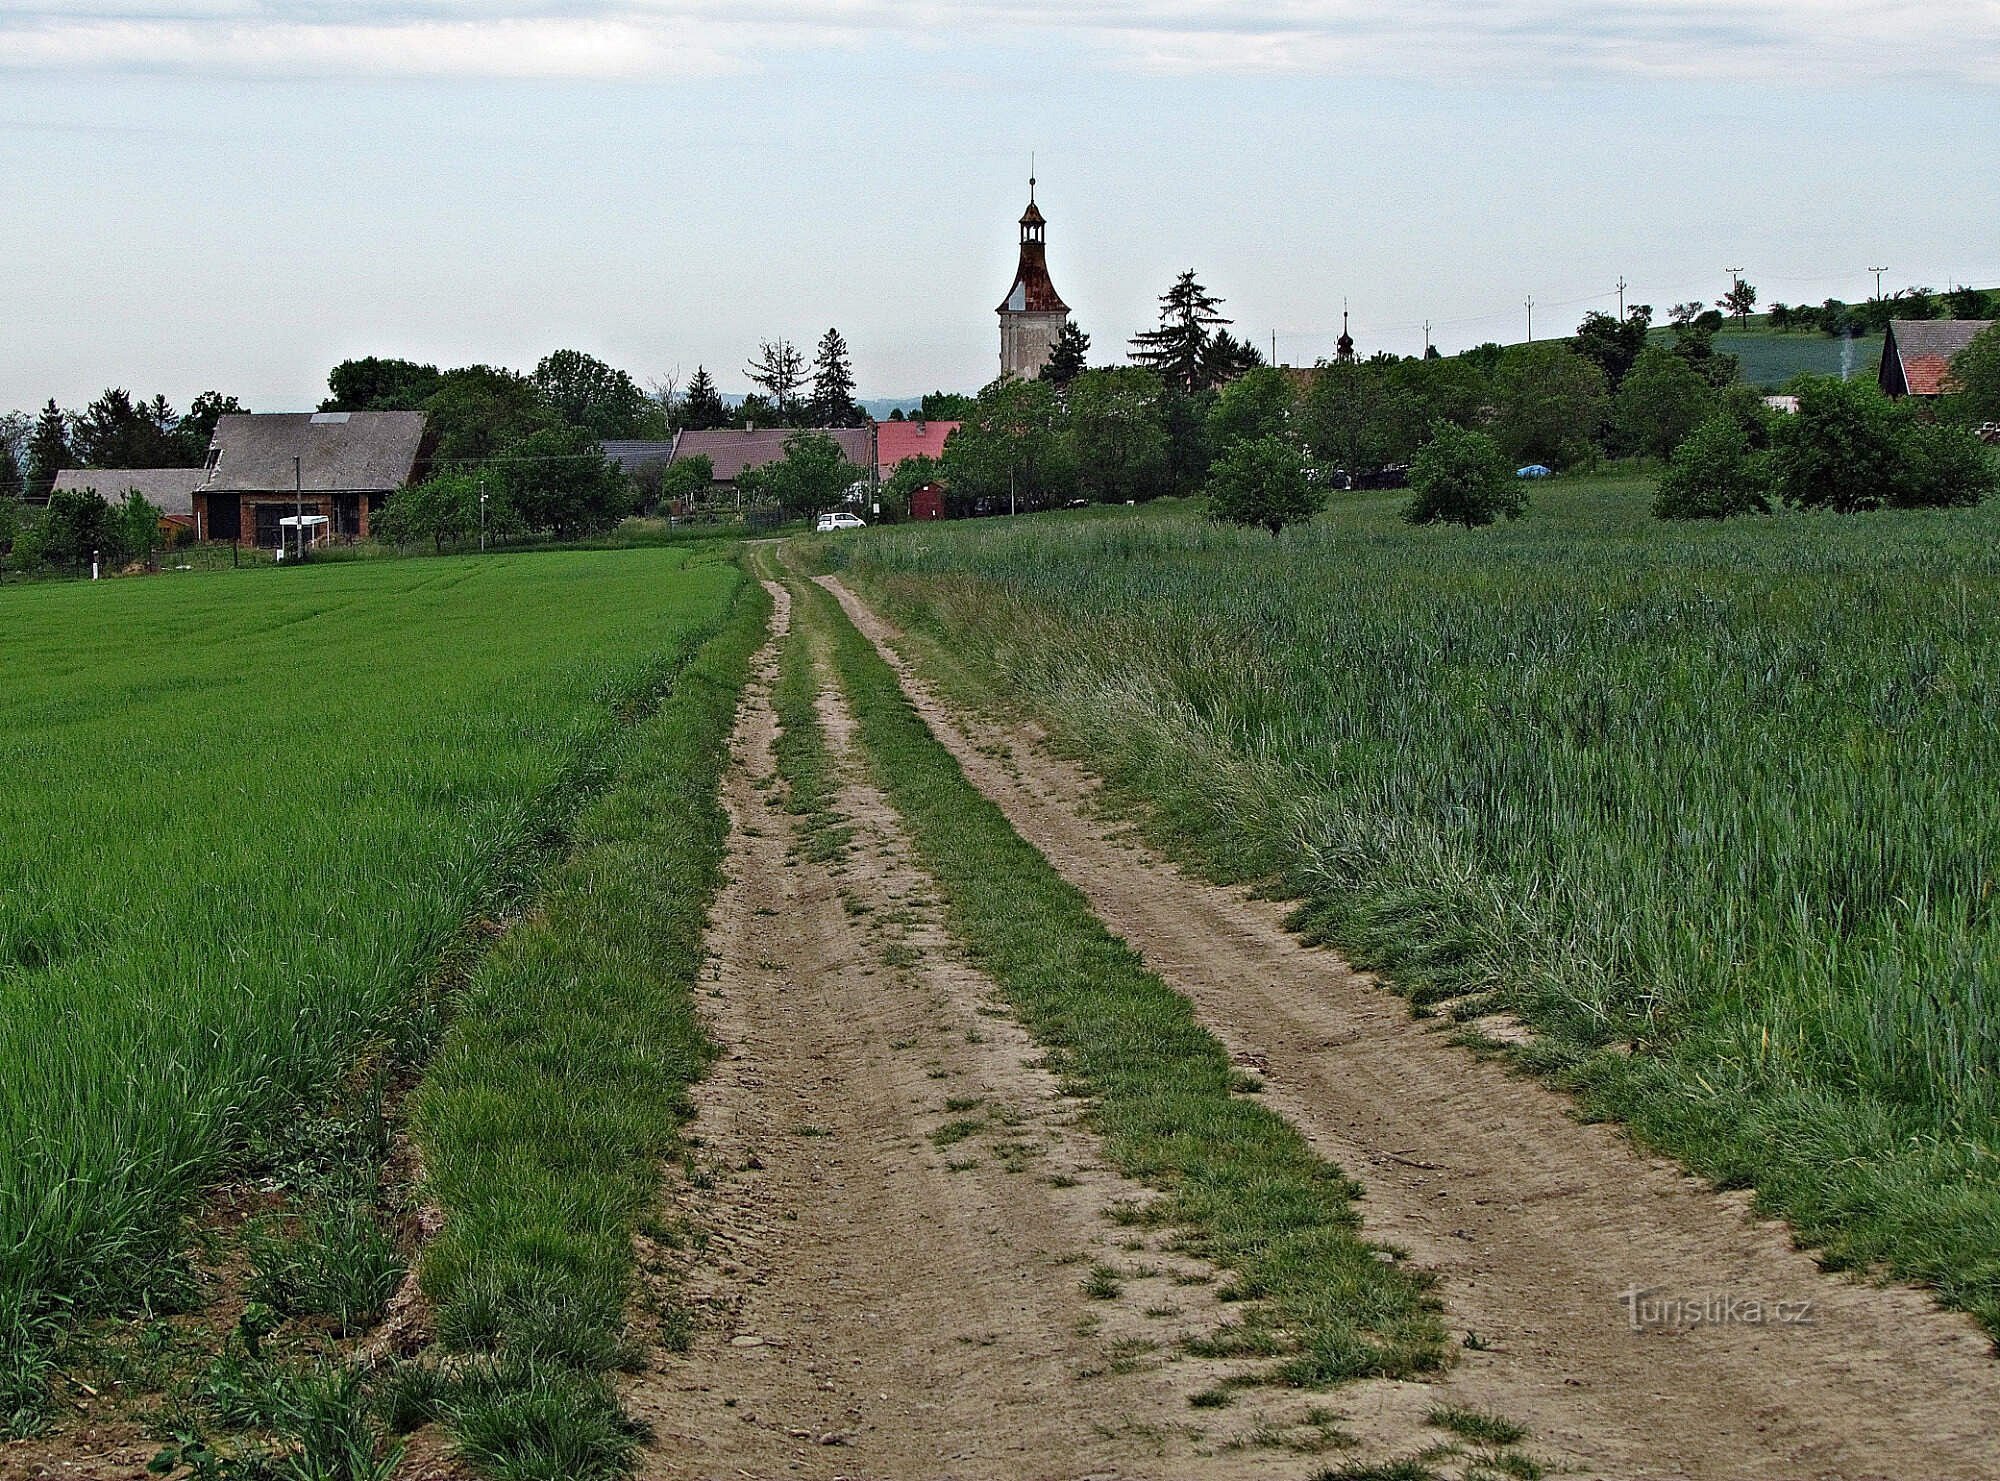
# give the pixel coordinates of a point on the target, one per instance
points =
(701, 406)
(48, 452)
(833, 383)
(780, 369)
(1068, 357)
(1175, 350)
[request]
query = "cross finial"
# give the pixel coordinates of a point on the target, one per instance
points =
(1031, 177)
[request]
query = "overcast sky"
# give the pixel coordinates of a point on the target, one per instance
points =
(238, 193)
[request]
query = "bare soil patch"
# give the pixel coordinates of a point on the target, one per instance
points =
(1627, 1313)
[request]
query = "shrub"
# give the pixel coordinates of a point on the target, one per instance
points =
(1262, 482)
(1459, 477)
(1847, 449)
(1948, 468)
(1714, 475)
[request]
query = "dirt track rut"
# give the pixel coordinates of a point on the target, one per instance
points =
(1539, 1226)
(893, 1207)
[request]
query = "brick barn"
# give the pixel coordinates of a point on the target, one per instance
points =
(340, 465)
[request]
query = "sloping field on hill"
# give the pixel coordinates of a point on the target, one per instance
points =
(243, 817)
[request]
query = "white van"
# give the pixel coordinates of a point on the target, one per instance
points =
(841, 521)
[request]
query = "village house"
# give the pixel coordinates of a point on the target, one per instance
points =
(340, 466)
(917, 438)
(169, 490)
(1917, 354)
(732, 450)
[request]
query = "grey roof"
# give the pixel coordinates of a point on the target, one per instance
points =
(636, 455)
(357, 451)
(732, 449)
(170, 490)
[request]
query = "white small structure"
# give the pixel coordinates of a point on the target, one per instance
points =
(303, 531)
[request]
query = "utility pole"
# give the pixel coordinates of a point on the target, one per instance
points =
(1531, 318)
(482, 513)
(1878, 271)
(1622, 286)
(1735, 277)
(1427, 339)
(1274, 347)
(299, 494)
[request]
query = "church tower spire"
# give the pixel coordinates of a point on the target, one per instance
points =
(1033, 313)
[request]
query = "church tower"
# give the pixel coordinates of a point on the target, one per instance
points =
(1034, 313)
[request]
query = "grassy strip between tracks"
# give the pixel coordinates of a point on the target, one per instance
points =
(1238, 1182)
(561, 1087)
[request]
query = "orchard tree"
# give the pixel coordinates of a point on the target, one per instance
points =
(559, 481)
(813, 475)
(1714, 475)
(1550, 404)
(1261, 482)
(477, 412)
(686, 480)
(1613, 345)
(1069, 357)
(1975, 379)
(1117, 438)
(1176, 351)
(1662, 401)
(77, 522)
(1948, 468)
(1845, 450)
(1461, 477)
(833, 383)
(585, 392)
(442, 509)
(1009, 449)
(1256, 404)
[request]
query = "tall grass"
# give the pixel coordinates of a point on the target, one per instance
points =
(241, 818)
(1716, 810)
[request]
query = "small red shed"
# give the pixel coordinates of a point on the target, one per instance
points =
(927, 501)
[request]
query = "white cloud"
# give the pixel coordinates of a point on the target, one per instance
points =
(1833, 41)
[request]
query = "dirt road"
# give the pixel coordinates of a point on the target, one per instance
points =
(1544, 1230)
(895, 1210)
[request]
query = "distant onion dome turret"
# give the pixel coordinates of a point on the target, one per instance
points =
(1033, 313)
(1345, 346)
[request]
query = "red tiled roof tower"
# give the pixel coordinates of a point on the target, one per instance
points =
(1033, 313)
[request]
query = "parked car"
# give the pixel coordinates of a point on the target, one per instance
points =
(841, 520)
(1535, 470)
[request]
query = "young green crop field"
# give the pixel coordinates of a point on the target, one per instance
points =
(1768, 358)
(244, 816)
(1714, 810)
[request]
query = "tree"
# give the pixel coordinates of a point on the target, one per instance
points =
(833, 384)
(1117, 438)
(1611, 344)
(77, 522)
(1845, 450)
(813, 475)
(12, 479)
(1461, 477)
(558, 480)
(373, 384)
(1342, 417)
(1257, 404)
(1949, 468)
(114, 433)
(1970, 303)
(1226, 357)
(686, 480)
(1009, 450)
(197, 428)
(1779, 316)
(1975, 379)
(909, 475)
(701, 406)
(1550, 404)
(441, 509)
(1174, 351)
(1662, 401)
(1683, 314)
(48, 452)
(585, 392)
(1714, 475)
(1069, 356)
(780, 369)
(1738, 301)
(478, 411)
(134, 527)
(946, 406)
(1261, 482)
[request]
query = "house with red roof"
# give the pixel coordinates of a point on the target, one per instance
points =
(895, 441)
(1917, 354)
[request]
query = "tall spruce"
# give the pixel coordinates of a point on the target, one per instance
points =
(1069, 357)
(48, 452)
(1176, 350)
(11, 479)
(701, 405)
(780, 369)
(833, 383)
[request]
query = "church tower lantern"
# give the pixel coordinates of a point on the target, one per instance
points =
(1033, 313)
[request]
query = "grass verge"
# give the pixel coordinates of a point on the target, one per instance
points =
(1238, 1183)
(561, 1086)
